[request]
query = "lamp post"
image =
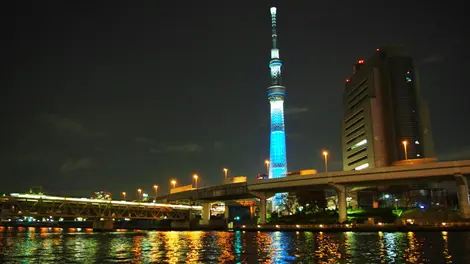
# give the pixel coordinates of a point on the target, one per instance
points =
(405, 144)
(139, 191)
(155, 187)
(225, 173)
(267, 166)
(325, 156)
(123, 195)
(195, 177)
(173, 182)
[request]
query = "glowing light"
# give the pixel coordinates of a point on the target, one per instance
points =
(272, 10)
(377, 49)
(360, 143)
(363, 166)
(347, 80)
(277, 159)
(275, 54)
(86, 200)
(361, 62)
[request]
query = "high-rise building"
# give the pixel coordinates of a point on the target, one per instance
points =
(276, 93)
(385, 120)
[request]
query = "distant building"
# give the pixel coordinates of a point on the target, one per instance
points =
(382, 110)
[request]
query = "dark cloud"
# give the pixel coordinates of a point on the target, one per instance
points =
(294, 135)
(218, 145)
(296, 110)
(69, 125)
(143, 140)
(434, 58)
(76, 164)
(460, 154)
(184, 148)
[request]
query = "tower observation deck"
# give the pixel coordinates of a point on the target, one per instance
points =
(276, 93)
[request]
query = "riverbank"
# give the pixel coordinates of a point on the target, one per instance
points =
(451, 226)
(422, 227)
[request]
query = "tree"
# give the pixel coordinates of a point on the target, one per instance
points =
(290, 203)
(312, 201)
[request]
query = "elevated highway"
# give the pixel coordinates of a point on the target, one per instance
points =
(340, 181)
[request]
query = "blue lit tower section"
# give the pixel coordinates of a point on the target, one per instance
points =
(276, 93)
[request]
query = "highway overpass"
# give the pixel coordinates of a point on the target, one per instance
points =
(340, 181)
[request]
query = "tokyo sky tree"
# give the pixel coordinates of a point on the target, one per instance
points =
(276, 93)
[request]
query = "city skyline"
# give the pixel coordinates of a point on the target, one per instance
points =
(133, 103)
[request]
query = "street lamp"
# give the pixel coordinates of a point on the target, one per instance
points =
(325, 155)
(405, 144)
(225, 173)
(139, 191)
(195, 177)
(155, 187)
(267, 166)
(124, 195)
(173, 182)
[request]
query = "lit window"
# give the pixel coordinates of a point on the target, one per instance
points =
(360, 143)
(363, 166)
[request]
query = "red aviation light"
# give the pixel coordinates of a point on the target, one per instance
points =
(361, 62)
(377, 49)
(347, 80)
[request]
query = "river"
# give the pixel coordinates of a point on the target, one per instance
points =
(45, 245)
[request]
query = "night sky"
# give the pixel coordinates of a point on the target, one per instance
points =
(119, 95)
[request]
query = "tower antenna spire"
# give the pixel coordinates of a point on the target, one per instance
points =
(273, 27)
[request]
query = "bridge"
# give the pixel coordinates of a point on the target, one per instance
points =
(103, 212)
(341, 181)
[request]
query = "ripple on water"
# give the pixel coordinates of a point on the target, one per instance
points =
(44, 245)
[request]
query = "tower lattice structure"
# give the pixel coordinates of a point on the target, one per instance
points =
(276, 93)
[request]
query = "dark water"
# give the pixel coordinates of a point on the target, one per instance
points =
(29, 245)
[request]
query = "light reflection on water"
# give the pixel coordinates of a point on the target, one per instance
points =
(43, 245)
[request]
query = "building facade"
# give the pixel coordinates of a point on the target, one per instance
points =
(385, 120)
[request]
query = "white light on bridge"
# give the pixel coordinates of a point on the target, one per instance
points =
(58, 198)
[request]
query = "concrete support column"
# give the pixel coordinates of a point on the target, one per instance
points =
(206, 213)
(342, 204)
(227, 212)
(262, 211)
(462, 191)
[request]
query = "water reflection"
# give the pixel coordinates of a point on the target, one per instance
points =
(445, 252)
(46, 245)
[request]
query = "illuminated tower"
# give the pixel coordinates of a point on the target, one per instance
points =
(276, 93)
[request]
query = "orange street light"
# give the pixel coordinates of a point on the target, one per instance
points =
(405, 144)
(139, 191)
(225, 172)
(267, 166)
(325, 155)
(155, 187)
(124, 195)
(173, 182)
(195, 177)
